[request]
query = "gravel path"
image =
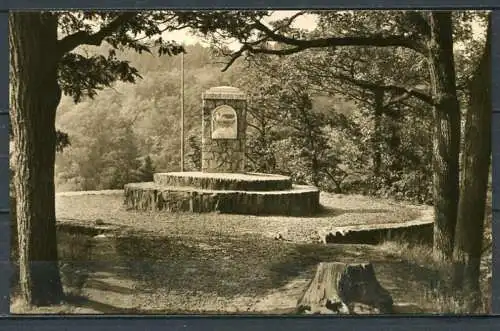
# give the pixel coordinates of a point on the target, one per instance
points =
(340, 211)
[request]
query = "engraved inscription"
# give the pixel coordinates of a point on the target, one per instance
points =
(224, 123)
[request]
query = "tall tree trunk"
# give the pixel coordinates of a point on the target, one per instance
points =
(476, 166)
(446, 135)
(377, 131)
(394, 140)
(35, 95)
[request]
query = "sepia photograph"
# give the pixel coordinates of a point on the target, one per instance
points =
(238, 162)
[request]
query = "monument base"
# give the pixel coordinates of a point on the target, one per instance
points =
(245, 193)
(225, 181)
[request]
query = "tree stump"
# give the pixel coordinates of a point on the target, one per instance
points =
(340, 288)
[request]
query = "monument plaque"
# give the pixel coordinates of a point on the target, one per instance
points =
(224, 123)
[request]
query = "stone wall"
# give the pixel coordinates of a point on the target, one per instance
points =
(226, 154)
(149, 196)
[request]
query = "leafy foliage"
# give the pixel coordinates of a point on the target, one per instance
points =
(146, 170)
(194, 156)
(100, 160)
(62, 141)
(150, 110)
(81, 76)
(311, 116)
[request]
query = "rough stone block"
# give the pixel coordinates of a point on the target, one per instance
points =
(299, 201)
(223, 149)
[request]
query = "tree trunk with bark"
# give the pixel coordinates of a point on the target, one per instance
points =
(476, 166)
(377, 131)
(394, 140)
(35, 94)
(446, 135)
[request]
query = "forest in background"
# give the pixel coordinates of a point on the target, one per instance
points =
(132, 130)
(303, 121)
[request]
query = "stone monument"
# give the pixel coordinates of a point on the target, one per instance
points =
(223, 130)
(223, 185)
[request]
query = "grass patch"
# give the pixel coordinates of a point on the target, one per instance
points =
(438, 294)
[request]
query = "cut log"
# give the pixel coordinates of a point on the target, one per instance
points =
(340, 288)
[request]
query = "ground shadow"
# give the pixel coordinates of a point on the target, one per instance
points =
(218, 265)
(222, 265)
(327, 211)
(96, 307)
(99, 307)
(100, 284)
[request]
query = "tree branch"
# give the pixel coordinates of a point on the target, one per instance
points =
(377, 40)
(397, 99)
(420, 23)
(337, 182)
(247, 46)
(289, 20)
(250, 158)
(373, 40)
(405, 92)
(255, 127)
(72, 41)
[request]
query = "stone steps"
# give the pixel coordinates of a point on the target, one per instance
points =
(297, 201)
(225, 181)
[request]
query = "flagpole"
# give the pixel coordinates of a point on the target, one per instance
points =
(182, 111)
